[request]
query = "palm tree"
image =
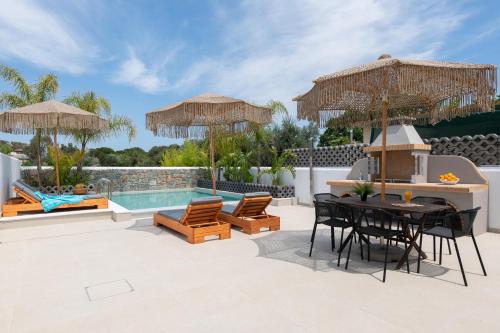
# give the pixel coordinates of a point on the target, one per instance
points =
(25, 94)
(261, 137)
(100, 106)
(277, 107)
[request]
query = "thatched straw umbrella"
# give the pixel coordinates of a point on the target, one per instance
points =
(198, 116)
(428, 91)
(50, 115)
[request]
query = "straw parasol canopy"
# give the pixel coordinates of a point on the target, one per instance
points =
(428, 91)
(49, 115)
(197, 117)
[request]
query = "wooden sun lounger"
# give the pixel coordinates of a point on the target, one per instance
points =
(25, 203)
(250, 214)
(198, 220)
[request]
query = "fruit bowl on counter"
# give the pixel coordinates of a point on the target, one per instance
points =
(449, 179)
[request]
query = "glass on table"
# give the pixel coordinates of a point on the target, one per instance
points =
(407, 196)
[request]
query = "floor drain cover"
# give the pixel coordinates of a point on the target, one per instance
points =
(108, 289)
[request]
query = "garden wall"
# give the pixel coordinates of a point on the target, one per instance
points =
(480, 149)
(285, 191)
(134, 178)
(10, 170)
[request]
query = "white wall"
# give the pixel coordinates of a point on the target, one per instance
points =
(10, 170)
(493, 175)
(321, 175)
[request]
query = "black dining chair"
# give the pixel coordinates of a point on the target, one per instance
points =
(456, 225)
(381, 224)
(329, 214)
(388, 197)
(433, 219)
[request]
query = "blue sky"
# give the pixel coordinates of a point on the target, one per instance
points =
(142, 55)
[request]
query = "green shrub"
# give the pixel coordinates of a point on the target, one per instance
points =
(280, 164)
(190, 154)
(66, 162)
(236, 167)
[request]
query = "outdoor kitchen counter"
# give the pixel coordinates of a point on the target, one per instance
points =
(431, 187)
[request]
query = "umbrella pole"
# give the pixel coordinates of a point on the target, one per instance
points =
(385, 106)
(56, 162)
(212, 157)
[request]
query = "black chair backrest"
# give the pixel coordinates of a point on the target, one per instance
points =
(323, 197)
(390, 197)
(430, 200)
(462, 221)
(321, 206)
(381, 218)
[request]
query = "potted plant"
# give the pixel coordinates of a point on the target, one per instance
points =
(363, 189)
(79, 189)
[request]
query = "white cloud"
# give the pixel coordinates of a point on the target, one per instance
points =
(30, 32)
(148, 78)
(274, 49)
(134, 72)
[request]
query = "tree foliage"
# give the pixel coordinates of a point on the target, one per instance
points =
(339, 136)
(89, 101)
(190, 154)
(25, 94)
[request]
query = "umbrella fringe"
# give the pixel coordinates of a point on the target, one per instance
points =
(192, 119)
(430, 93)
(24, 123)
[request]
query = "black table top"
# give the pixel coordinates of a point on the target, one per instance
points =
(375, 203)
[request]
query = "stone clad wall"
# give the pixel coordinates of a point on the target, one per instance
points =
(137, 178)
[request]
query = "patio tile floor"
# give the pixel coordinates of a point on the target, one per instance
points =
(263, 283)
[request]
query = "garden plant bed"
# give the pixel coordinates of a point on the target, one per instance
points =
(277, 191)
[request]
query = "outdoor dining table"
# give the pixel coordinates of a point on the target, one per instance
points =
(421, 210)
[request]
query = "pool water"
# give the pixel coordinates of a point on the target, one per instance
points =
(134, 201)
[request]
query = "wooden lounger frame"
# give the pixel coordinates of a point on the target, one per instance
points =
(27, 204)
(250, 215)
(197, 222)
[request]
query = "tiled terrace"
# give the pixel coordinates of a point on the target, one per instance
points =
(106, 276)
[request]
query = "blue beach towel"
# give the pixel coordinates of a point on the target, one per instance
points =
(51, 202)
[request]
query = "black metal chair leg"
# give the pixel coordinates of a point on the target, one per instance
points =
(342, 236)
(332, 235)
(385, 258)
(341, 248)
(368, 247)
(449, 247)
(419, 255)
(440, 250)
(397, 239)
(433, 248)
(348, 253)
(312, 238)
(460, 262)
(407, 260)
(478, 254)
(361, 247)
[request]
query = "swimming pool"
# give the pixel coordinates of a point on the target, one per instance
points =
(159, 199)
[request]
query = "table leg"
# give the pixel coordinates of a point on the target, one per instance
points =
(413, 244)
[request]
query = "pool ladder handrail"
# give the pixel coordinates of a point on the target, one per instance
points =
(109, 186)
